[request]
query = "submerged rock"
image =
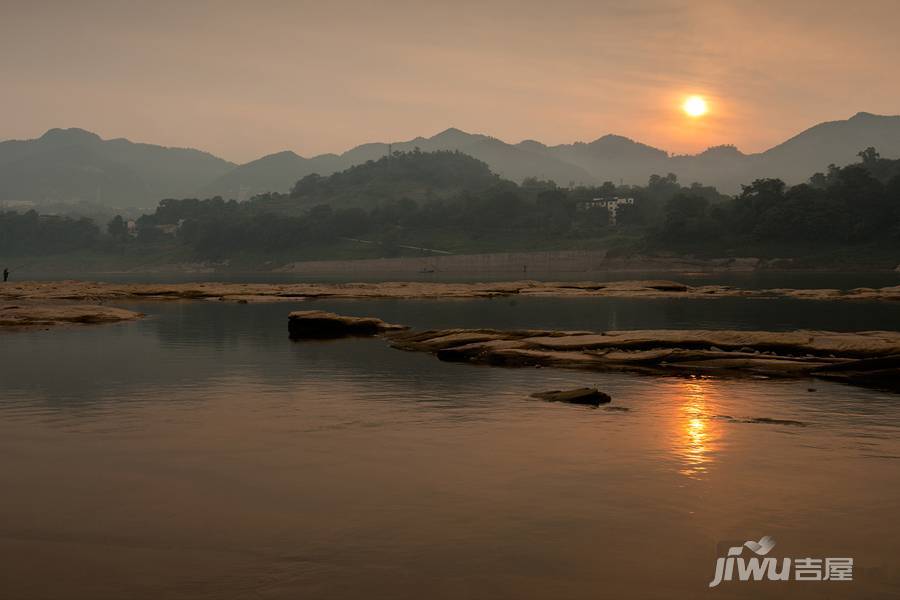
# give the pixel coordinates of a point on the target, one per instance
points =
(591, 396)
(761, 420)
(321, 324)
(769, 421)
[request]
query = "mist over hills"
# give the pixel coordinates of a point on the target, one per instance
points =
(73, 164)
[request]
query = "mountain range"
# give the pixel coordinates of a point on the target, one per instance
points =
(74, 164)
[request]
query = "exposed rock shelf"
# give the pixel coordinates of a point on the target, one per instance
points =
(254, 292)
(46, 315)
(866, 357)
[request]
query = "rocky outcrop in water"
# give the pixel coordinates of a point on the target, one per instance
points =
(869, 357)
(589, 396)
(46, 315)
(321, 324)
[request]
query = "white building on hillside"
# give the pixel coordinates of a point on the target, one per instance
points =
(610, 204)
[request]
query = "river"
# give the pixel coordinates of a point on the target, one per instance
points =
(199, 453)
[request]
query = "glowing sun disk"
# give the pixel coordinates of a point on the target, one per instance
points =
(695, 106)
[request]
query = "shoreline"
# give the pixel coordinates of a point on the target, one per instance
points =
(73, 290)
(561, 262)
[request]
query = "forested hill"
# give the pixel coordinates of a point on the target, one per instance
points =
(418, 176)
(845, 216)
(74, 165)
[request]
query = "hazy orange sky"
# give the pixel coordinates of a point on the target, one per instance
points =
(243, 79)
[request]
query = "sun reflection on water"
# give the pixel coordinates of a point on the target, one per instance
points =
(696, 436)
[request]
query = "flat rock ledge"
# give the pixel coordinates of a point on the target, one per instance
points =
(47, 315)
(867, 358)
(267, 292)
(305, 324)
(862, 358)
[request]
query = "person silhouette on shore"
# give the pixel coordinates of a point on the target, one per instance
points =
(5, 275)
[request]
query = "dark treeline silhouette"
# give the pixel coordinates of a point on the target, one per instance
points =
(417, 197)
(31, 234)
(854, 204)
(417, 175)
(414, 195)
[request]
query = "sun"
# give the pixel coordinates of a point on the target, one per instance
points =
(695, 106)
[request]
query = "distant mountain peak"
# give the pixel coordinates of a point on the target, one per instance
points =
(290, 154)
(612, 141)
(451, 134)
(722, 150)
(451, 131)
(610, 138)
(612, 146)
(532, 145)
(72, 165)
(72, 135)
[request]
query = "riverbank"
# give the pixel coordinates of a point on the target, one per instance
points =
(350, 261)
(266, 292)
(551, 261)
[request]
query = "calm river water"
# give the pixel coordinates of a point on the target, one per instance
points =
(199, 453)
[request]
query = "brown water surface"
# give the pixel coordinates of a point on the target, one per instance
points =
(201, 454)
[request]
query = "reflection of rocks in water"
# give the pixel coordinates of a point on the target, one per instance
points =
(882, 372)
(321, 324)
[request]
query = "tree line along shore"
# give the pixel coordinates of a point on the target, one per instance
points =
(440, 203)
